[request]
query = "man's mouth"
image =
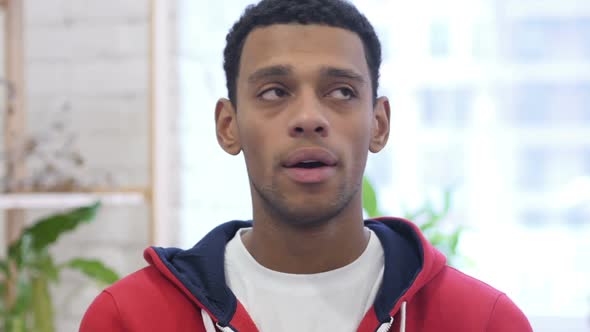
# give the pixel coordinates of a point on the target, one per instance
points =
(310, 165)
(310, 158)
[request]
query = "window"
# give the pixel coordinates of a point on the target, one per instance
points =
(445, 108)
(482, 99)
(546, 39)
(439, 39)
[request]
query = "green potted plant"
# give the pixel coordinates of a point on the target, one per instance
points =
(427, 218)
(29, 268)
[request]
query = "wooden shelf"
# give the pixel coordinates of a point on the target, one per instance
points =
(69, 199)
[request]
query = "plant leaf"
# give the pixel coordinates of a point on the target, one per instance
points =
(16, 323)
(43, 266)
(370, 199)
(433, 217)
(20, 251)
(4, 268)
(42, 305)
(47, 230)
(432, 221)
(454, 240)
(447, 200)
(94, 269)
(23, 299)
(438, 239)
(413, 216)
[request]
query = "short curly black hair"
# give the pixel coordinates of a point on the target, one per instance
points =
(334, 13)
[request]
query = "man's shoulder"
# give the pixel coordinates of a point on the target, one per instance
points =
(145, 287)
(451, 280)
(146, 278)
(468, 300)
(144, 300)
(455, 289)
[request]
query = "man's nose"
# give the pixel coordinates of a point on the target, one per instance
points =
(309, 117)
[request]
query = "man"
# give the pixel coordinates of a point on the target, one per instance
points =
(302, 79)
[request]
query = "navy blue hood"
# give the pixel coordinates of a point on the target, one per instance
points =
(201, 268)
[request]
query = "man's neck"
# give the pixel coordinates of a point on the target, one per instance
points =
(306, 250)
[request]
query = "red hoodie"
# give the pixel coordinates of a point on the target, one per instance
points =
(185, 290)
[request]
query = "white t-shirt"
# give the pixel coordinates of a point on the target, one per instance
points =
(336, 300)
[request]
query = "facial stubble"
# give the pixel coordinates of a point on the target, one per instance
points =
(305, 216)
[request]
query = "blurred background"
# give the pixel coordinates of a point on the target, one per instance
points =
(113, 101)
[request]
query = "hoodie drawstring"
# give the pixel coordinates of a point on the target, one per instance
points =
(385, 326)
(402, 326)
(224, 328)
(210, 327)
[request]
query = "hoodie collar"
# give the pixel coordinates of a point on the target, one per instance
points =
(403, 259)
(410, 262)
(201, 270)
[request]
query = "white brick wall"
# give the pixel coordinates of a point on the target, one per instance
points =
(91, 57)
(71, 41)
(90, 77)
(51, 11)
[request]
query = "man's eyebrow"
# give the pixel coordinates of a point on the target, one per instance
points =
(342, 73)
(272, 71)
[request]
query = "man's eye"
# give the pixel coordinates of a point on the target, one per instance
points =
(342, 94)
(273, 94)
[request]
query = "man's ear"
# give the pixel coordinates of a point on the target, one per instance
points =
(226, 127)
(381, 116)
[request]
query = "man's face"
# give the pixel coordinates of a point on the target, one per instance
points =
(305, 120)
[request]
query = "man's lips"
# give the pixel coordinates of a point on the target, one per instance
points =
(304, 155)
(310, 165)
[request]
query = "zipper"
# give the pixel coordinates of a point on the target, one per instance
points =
(385, 326)
(224, 328)
(382, 328)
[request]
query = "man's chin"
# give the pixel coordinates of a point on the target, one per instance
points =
(309, 215)
(303, 209)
